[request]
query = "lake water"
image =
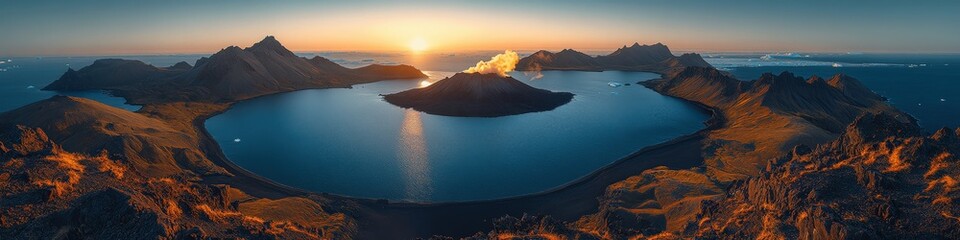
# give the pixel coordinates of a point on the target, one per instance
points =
(351, 142)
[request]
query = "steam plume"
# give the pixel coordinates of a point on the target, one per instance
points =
(500, 64)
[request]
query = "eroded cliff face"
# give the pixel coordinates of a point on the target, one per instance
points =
(75, 168)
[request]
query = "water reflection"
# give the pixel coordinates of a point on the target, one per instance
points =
(412, 152)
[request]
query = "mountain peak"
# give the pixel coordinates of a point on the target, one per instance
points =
(787, 74)
(542, 52)
(270, 44)
(853, 88)
(877, 126)
(180, 66)
(814, 79)
(269, 40)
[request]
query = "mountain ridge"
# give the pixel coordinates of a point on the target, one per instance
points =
(652, 58)
(231, 74)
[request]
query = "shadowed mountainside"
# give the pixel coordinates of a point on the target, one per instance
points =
(229, 75)
(652, 58)
(479, 95)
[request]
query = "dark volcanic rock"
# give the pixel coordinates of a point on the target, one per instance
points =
(654, 58)
(479, 95)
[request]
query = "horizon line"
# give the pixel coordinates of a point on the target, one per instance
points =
(428, 52)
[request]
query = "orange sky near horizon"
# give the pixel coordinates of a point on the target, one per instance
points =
(159, 27)
(391, 31)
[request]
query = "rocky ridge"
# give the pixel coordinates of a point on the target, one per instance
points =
(652, 58)
(231, 74)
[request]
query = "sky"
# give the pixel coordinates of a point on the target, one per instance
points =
(65, 28)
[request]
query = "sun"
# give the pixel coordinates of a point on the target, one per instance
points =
(418, 45)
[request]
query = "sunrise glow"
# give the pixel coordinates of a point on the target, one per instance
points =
(418, 45)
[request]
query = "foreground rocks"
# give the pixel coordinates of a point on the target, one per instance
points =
(881, 179)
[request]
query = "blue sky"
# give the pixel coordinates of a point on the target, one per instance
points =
(158, 27)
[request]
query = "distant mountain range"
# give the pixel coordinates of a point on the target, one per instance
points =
(479, 95)
(654, 58)
(231, 74)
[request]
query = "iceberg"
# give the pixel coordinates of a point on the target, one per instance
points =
(836, 65)
(31, 87)
(236, 140)
(614, 84)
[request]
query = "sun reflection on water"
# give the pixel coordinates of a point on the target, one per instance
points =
(412, 152)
